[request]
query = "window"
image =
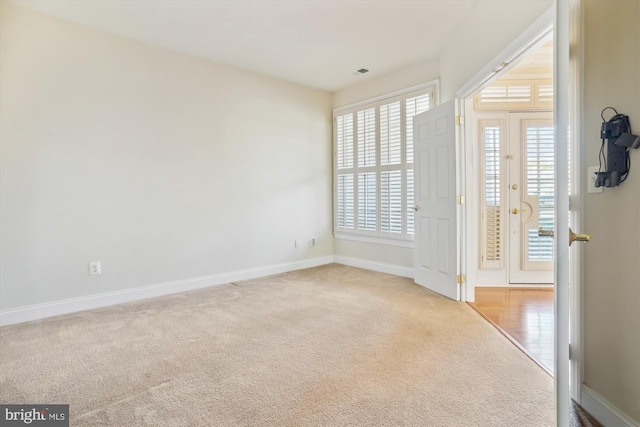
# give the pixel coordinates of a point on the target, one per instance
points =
(373, 165)
(492, 209)
(536, 94)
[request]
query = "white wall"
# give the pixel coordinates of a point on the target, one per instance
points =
(611, 267)
(161, 165)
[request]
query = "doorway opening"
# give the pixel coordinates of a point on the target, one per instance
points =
(512, 194)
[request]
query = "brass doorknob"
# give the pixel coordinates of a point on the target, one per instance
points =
(416, 208)
(579, 237)
(515, 211)
(545, 232)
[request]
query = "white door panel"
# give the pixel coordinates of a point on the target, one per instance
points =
(436, 256)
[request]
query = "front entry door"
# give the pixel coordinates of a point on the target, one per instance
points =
(531, 197)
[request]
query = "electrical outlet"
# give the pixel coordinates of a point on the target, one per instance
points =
(95, 268)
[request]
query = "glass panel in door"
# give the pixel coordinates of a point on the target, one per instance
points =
(531, 197)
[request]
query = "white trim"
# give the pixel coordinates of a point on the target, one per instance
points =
(396, 270)
(435, 84)
(532, 36)
(72, 305)
(603, 411)
(376, 240)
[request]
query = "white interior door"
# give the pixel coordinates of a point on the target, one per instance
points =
(530, 197)
(435, 251)
(562, 119)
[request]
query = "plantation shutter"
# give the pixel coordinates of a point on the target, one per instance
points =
(390, 134)
(506, 95)
(544, 94)
(345, 141)
(367, 137)
(540, 186)
(391, 147)
(367, 211)
(415, 103)
(391, 201)
(492, 211)
(373, 166)
(345, 195)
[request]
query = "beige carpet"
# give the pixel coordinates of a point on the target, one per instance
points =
(327, 346)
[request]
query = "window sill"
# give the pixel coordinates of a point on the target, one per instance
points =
(375, 240)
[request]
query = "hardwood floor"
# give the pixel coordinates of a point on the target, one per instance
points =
(524, 315)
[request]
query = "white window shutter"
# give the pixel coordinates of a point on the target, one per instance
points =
(414, 104)
(391, 201)
(367, 209)
(346, 202)
(410, 203)
(344, 141)
(492, 213)
(390, 134)
(367, 137)
(540, 185)
(373, 165)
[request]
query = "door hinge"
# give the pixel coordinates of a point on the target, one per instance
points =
(460, 200)
(462, 278)
(459, 120)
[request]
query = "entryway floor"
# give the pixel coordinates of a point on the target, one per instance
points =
(525, 316)
(522, 314)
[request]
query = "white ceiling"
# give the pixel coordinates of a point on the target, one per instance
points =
(317, 43)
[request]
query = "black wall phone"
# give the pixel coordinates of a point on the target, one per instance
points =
(616, 163)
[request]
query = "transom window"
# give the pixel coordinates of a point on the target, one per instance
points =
(373, 165)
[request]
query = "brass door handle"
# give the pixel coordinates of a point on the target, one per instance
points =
(572, 236)
(416, 208)
(578, 237)
(545, 233)
(515, 211)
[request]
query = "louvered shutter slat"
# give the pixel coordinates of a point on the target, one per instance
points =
(367, 137)
(391, 201)
(414, 105)
(367, 201)
(492, 191)
(540, 184)
(344, 143)
(410, 202)
(390, 134)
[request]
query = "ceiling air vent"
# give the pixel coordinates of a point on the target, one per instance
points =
(363, 70)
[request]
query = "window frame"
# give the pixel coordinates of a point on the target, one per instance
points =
(402, 239)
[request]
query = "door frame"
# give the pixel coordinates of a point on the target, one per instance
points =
(572, 17)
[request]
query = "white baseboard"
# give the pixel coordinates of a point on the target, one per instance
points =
(603, 411)
(375, 266)
(56, 308)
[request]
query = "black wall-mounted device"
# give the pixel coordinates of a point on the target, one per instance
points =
(616, 163)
